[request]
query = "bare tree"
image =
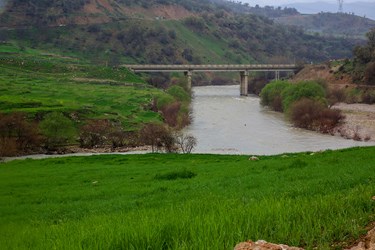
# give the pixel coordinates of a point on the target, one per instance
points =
(185, 142)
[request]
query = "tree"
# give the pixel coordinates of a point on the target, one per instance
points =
(58, 129)
(185, 142)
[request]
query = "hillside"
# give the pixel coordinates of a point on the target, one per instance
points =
(39, 82)
(328, 24)
(173, 31)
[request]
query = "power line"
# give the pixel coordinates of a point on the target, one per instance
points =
(341, 3)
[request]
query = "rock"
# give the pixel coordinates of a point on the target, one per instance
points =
(253, 158)
(263, 245)
(368, 243)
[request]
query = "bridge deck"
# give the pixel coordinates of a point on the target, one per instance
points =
(222, 67)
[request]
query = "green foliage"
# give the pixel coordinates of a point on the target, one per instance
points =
(363, 70)
(179, 93)
(307, 89)
(58, 129)
(115, 202)
(271, 94)
(164, 100)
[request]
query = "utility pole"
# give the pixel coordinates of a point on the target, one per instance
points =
(341, 3)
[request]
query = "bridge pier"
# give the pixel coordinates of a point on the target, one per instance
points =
(244, 76)
(277, 75)
(189, 75)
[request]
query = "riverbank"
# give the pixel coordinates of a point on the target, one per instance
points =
(359, 123)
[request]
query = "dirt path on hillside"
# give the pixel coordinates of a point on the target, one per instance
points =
(359, 123)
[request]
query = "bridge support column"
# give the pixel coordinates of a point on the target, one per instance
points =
(244, 75)
(277, 75)
(189, 75)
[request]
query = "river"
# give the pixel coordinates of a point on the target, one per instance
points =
(225, 123)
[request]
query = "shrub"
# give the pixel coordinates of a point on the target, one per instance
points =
(163, 101)
(314, 115)
(8, 146)
(158, 136)
(336, 95)
(95, 133)
(170, 113)
(368, 96)
(179, 93)
(308, 89)
(18, 134)
(186, 143)
(272, 92)
(58, 129)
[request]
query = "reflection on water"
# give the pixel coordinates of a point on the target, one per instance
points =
(225, 123)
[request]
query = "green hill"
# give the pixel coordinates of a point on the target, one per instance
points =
(169, 31)
(38, 82)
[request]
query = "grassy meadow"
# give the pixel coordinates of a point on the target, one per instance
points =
(37, 82)
(168, 201)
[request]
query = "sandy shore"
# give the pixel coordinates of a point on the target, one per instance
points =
(359, 123)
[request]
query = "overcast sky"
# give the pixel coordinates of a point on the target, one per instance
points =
(281, 2)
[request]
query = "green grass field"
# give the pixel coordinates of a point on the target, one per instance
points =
(187, 201)
(36, 82)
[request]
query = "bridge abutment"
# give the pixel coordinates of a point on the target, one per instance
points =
(244, 79)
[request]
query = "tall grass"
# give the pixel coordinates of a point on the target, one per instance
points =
(116, 202)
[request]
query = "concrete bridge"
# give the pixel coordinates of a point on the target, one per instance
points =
(244, 70)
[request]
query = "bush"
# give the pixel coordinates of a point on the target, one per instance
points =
(271, 94)
(336, 95)
(308, 89)
(170, 113)
(179, 93)
(186, 143)
(95, 133)
(368, 97)
(58, 130)
(158, 136)
(17, 134)
(314, 115)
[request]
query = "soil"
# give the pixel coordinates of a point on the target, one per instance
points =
(359, 123)
(367, 242)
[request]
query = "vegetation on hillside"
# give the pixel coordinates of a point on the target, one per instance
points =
(330, 24)
(213, 34)
(48, 100)
(158, 201)
(362, 67)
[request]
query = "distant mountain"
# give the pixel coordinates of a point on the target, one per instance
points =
(337, 24)
(366, 9)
